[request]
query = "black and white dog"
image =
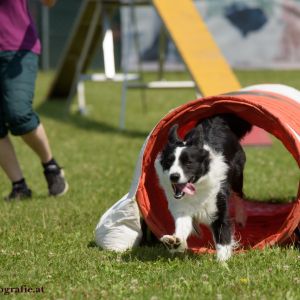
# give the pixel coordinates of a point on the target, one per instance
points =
(198, 175)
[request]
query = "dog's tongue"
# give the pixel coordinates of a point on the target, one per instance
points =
(189, 189)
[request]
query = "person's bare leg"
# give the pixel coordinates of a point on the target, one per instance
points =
(37, 140)
(9, 161)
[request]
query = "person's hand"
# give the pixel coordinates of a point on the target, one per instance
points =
(48, 3)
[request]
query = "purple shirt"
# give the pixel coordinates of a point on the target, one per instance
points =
(17, 30)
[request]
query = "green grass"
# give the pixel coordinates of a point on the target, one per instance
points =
(48, 242)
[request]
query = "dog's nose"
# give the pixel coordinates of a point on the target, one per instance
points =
(174, 177)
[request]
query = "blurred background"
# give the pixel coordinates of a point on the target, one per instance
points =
(252, 34)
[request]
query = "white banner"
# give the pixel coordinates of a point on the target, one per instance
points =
(251, 34)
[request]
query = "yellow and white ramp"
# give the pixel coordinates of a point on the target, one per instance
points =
(201, 55)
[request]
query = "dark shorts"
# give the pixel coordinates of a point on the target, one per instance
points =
(18, 71)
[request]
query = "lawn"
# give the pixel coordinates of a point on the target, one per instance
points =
(48, 243)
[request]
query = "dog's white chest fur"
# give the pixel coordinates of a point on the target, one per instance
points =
(202, 205)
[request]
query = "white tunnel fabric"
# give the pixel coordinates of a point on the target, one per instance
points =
(119, 228)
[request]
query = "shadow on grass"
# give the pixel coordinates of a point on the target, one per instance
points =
(59, 112)
(145, 253)
(92, 244)
(155, 253)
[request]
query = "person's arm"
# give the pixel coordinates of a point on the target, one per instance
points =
(48, 3)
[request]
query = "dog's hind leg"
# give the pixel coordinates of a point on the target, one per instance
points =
(223, 239)
(237, 172)
(237, 182)
(221, 229)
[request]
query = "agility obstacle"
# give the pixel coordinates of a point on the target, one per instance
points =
(276, 109)
(273, 107)
(79, 51)
(200, 53)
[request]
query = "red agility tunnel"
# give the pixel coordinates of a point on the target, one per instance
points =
(267, 223)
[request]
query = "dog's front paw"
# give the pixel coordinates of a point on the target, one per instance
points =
(173, 243)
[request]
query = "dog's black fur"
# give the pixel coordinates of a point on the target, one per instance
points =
(220, 134)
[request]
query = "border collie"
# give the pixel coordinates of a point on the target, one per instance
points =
(198, 174)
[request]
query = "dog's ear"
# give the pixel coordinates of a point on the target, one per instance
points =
(195, 137)
(173, 136)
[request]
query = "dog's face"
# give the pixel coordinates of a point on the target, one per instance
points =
(185, 161)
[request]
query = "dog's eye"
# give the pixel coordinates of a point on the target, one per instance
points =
(170, 160)
(186, 160)
(167, 161)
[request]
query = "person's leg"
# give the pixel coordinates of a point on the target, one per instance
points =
(11, 167)
(8, 160)
(37, 140)
(23, 121)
